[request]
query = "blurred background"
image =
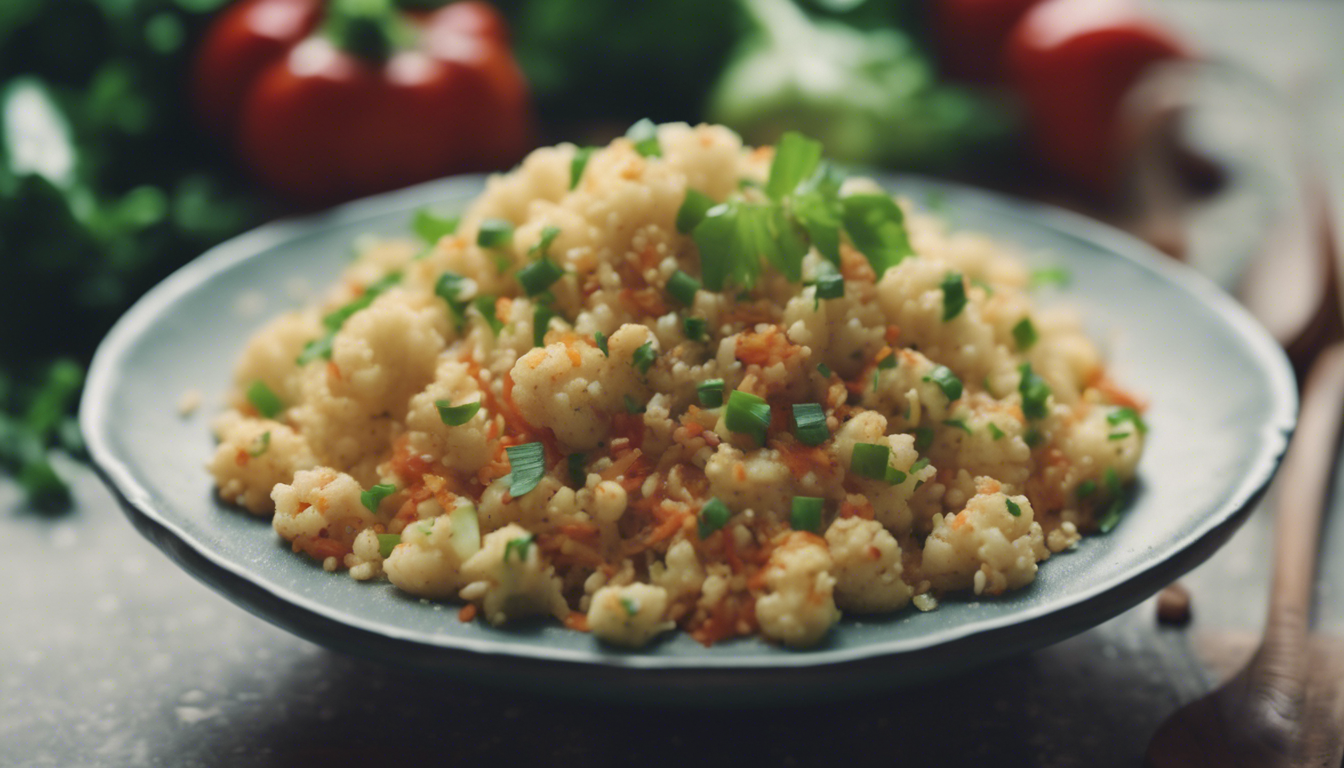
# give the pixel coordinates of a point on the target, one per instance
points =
(135, 134)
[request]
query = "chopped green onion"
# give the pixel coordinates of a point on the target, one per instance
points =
(644, 134)
(1111, 517)
(643, 357)
(1121, 415)
(958, 423)
(894, 476)
(541, 322)
(954, 295)
(267, 403)
(1013, 508)
(316, 349)
(388, 542)
(692, 211)
(539, 275)
(548, 235)
(710, 393)
(1024, 334)
(809, 424)
(918, 466)
(577, 474)
(431, 226)
(683, 287)
(805, 514)
(824, 370)
(263, 444)
(495, 233)
(1117, 435)
(631, 606)
(336, 319)
(1033, 437)
(830, 284)
(870, 460)
(601, 339)
(632, 406)
(923, 437)
(486, 306)
(695, 328)
(796, 158)
(456, 415)
(1085, 489)
(946, 381)
(580, 162)
(1034, 391)
(713, 516)
(995, 431)
(518, 547)
(1112, 480)
(982, 285)
(876, 225)
(1050, 276)
(887, 363)
(375, 495)
(747, 414)
(450, 287)
(527, 464)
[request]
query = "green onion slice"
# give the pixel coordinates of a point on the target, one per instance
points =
(263, 445)
(631, 606)
(577, 474)
(388, 542)
(264, 399)
(316, 349)
(713, 516)
(1122, 415)
(824, 370)
(527, 464)
(539, 275)
(710, 393)
(954, 295)
(692, 211)
(1013, 508)
(375, 495)
(695, 328)
(830, 283)
(946, 381)
(747, 414)
(957, 423)
(923, 437)
(456, 415)
(541, 322)
(1085, 489)
(495, 233)
(601, 339)
(643, 358)
(518, 547)
(995, 431)
(805, 514)
(870, 460)
(578, 164)
(430, 226)
(809, 423)
(486, 306)
(1050, 276)
(644, 134)
(548, 235)
(1034, 392)
(1024, 334)
(633, 406)
(683, 287)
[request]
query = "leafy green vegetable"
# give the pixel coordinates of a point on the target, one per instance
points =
(877, 227)
(946, 381)
(601, 339)
(643, 357)
(375, 495)
(543, 245)
(1124, 414)
(954, 295)
(541, 323)
(388, 542)
(796, 158)
(495, 233)
(539, 275)
(264, 399)
(633, 406)
(995, 431)
(577, 475)
(485, 305)
(431, 227)
(692, 211)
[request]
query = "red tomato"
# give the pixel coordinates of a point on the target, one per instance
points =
(321, 123)
(1072, 63)
(970, 35)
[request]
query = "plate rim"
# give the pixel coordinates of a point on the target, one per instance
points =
(1185, 554)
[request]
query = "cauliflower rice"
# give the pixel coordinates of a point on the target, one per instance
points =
(960, 448)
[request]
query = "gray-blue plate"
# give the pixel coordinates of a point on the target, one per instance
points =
(1223, 406)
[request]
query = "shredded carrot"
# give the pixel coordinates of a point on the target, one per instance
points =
(467, 614)
(333, 370)
(893, 334)
(577, 621)
(242, 458)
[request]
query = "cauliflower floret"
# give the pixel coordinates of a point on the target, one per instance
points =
(799, 607)
(428, 561)
(270, 354)
(365, 560)
(985, 546)
(891, 501)
(463, 447)
(561, 386)
(758, 480)
(509, 578)
(867, 566)
(316, 500)
(681, 574)
(631, 615)
(253, 455)
(386, 353)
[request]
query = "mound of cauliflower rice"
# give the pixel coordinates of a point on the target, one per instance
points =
(676, 382)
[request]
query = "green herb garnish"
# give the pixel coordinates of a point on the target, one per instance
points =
(1085, 489)
(683, 287)
(264, 399)
(643, 358)
(748, 415)
(543, 246)
(1035, 392)
(578, 164)
(456, 415)
(1013, 508)
(946, 381)
(870, 460)
(824, 370)
(1117, 435)
(713, 516)
(923, 438)
(527, 464)
(1024, 334)
(796, 159)
(601, 339)
(995, 431)
(541, 322)
(539, 275)
(692, 211)
(1122, 415)
(957, 423)
(631, 606)
(805, 514)
(486, 306)
(577, 475)
(644, 135)
(876, 225)
(263, 445)
(1050, 276)
(632, 406)
(954, 295)
(431, 227)
(387, 542)
(495, 233)
(809, 424)
(375, 495)
(518, 547)
(694, 328)
(710, 393)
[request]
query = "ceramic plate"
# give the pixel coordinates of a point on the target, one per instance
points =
(1222, 407)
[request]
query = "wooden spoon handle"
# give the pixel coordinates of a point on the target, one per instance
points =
(1302, 490)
